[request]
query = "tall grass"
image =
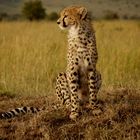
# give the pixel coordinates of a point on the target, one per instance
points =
(119, 53)
(32, 54)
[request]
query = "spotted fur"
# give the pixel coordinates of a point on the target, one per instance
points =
(17, 112)
(81, 81)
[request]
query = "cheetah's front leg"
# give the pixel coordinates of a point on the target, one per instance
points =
(73, 85)
(62, 89)
(94, 86)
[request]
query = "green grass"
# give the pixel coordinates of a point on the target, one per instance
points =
(32, 54)
(98, 8)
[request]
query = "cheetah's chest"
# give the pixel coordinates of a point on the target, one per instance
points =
(78, 55)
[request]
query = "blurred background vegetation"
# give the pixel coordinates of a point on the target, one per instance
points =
(48, 9)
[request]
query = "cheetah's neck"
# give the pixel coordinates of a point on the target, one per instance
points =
(84, 29)
(73, 32)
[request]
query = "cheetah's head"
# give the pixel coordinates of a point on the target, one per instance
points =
(72, 16)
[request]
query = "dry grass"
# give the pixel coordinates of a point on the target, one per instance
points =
(32, 54)
(120, 121)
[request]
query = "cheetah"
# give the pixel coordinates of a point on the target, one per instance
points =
(79, 85)
(81, 82)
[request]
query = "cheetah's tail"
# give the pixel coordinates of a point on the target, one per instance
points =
(18, 111)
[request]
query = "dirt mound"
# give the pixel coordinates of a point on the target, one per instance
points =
(120, 120)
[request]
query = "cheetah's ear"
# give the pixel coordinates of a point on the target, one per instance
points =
(82, 12)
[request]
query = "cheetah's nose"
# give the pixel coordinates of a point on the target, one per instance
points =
(58, 22)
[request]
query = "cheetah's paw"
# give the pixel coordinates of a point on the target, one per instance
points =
(74, 115)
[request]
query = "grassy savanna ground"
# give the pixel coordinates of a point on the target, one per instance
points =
(31, 56)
